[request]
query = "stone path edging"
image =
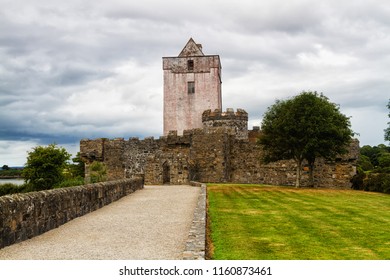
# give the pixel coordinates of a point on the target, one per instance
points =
(196, 242)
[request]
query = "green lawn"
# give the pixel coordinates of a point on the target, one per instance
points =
(263, 222)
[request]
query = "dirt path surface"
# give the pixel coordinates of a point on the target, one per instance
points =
(150, 224)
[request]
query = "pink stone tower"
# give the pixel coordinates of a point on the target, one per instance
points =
(192, 84)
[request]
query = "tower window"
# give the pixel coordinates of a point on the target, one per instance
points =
(190, 65)
(191, 87)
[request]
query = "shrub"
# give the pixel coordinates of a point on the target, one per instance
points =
(357, 180)
(71, 182)
(382, 170)
(365, 163)
(10, 188)
(45, 166)
(98, 172)
(377, 182)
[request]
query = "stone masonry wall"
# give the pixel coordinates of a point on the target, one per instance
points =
(113, 157)
(236, 121)
(248, 168)
(23, 216)
(223, 151)
(148, 157)
(170, 164)
(210, 155)
(136, 154)
(93, 150)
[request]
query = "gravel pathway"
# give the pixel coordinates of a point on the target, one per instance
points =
(150, 224)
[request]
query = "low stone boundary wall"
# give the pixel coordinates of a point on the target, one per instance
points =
(23, 216)
(196, 241)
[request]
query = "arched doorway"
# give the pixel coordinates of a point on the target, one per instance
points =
(166, 173)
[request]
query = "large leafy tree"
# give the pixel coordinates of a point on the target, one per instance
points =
(387, 130)
(77, 169)
(45, 166)
(304, 127)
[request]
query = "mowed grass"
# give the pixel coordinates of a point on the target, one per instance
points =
(263, 222)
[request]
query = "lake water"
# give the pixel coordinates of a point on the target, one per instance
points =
(12, 181)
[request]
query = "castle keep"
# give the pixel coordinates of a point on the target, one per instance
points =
(206, 144)
(192, 84)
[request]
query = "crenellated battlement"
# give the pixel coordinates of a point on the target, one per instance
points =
(217, 114)
(235, 122)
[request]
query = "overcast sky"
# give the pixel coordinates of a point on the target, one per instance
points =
(87, 69)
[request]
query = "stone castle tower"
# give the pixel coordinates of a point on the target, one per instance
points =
(192, 84)
(201, 142)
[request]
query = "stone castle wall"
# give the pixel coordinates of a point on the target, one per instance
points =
(23, 216)
(223, 151)
(237, 121)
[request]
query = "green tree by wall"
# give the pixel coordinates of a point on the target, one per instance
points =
(45, 166)
(77, 169)
(387, 130)
(304, 127)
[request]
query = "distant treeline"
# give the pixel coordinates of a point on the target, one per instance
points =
(11, 173)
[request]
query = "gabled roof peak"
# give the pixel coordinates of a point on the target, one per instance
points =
(191, 49)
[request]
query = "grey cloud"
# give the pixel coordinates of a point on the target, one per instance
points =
(72, 69)
(73, 75)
